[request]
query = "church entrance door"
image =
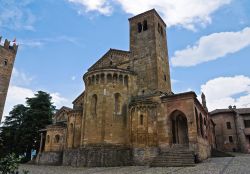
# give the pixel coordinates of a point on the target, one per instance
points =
(179, 128)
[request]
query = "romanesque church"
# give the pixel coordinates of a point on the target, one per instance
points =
(128, 114)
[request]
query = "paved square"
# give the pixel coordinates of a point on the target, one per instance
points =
(239, 164)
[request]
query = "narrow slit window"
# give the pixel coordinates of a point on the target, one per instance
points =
(141, 119)
(229, 125)
(145, 25)
(139, 26)
(5, 62)
(230, 138)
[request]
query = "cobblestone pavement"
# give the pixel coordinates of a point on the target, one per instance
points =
(229, 165)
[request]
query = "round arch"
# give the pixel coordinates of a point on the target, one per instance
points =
(179, 127)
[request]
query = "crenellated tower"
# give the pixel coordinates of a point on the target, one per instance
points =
(149, 53)
(7, 59)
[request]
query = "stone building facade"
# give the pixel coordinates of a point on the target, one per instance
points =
(232, 129)
(7, 59)
(128, 113)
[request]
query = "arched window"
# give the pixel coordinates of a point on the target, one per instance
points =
(197, 121)
(93, 79)
(97, 78)
(48, 139)
(102, 78)
(141, 119)
(94, 104)
(159, 28)
(161, 31)
(115, 78)
(57, 139)
(145, 25)
(117, 103)
(71, 127)
(126, 80)
(89, 81)
(201, 126)
(121, 79)
(165, 77)
(109, 78)
(5, 62)
(139, 27)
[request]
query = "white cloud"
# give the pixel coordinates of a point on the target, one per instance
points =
(224, 91)
(212, 47)
(101, 6)
(59, 100)
(16, 15)
(20, 78)
(17, 94)
(185, 13)
(32, 43)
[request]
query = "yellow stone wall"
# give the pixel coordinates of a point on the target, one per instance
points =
(52, 143)
(102, 122)
(74, 129)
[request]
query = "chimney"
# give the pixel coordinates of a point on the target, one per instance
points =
(204, 102)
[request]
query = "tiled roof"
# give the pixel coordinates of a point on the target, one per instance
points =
(239, 110)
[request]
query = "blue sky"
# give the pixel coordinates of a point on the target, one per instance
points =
(208, 43)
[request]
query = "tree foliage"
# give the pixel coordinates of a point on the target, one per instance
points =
(9, 164)
(20, 131)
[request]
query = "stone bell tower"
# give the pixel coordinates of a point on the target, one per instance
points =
(7, 58)
(149, 53)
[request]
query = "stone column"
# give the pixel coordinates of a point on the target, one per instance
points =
(41, 143)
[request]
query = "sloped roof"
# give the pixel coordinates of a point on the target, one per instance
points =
(217, 111)
(243, 110)
(109, 52)
(239, 110)
(77, 98)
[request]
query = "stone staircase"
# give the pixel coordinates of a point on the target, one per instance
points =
(175, 157)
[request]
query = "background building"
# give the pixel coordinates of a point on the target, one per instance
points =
(232, 129)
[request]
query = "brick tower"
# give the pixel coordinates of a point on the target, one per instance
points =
(148, 46)
(7, 58)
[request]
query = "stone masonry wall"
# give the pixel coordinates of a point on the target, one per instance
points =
(7, 58)
(50, 158)
(98, 156)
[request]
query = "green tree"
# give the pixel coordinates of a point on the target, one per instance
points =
(39, 115)
(9, 164)
(20, 132)
(10, 136)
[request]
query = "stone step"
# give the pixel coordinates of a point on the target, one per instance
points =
(172, 165)
(174, 158)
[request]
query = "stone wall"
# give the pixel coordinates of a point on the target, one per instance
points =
(74, 129)
(98, 156)
(55, 138)
(106, 106)
(143, 156)
(49, 158)
(7, 59)
(204, 149)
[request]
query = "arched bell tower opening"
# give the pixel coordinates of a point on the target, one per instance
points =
(179, 128)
